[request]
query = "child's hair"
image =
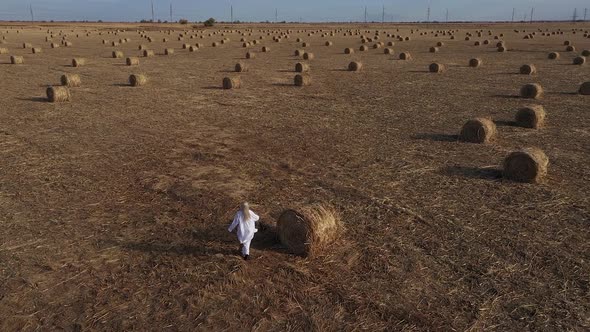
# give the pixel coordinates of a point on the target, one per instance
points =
(245, 210)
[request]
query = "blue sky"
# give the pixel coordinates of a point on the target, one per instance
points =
(306, 10)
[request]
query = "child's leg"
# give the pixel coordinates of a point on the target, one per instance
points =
(246, 248)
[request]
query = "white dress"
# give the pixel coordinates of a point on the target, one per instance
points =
(246, 228)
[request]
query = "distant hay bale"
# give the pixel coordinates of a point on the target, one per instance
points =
(478, 130)
(527, 165)
(308, 56)
(477, 43)
(27, 45)
(54, 45)
(585, 89)
(390, 43)
(437, 68)
(502, 49)
(440, 44)
(168, 51)
(265, 49)
(240, 67)
(78, 62)
(132, 61)
(376, 46)
(35, 50)
(299, 52)
(250, 55)
(566, 43)
(405, 56)
(193, 48)
(363, 48)
(528, 70)
(475, 62)
(532, 116)
(16, 60)
(355, 66)
(117, 54)
(531, 91)
(570, 48)
(302, 80)
(308, 231)
(579, 60)
(304, 44)
(387, 50)
(68, 44)
(148, 53)
(329, 43)
(553, 56)
(137, 79)
(114, 44)
(433, 49)
(348, 50)
(586, 53)
(56, 94)
(301, 67)
(3, 50)
(231, 83)
(141, 47)
(71, 80)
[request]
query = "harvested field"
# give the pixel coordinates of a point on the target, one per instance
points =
(115, 204)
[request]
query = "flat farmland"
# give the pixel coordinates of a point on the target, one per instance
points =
(114, 206)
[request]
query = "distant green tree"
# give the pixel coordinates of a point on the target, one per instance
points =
(210, 22)
(183, 21)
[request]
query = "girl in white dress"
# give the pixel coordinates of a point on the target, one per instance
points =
(245, 220)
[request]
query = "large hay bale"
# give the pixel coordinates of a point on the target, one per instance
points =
(437, 68)
(17, 60)
(440, 44)
(193, 48)
(137, 79)
(580, 60)
(57, 94)
(301, 67)
(586, 53)
(302, 80)
(363, 48)
(3, 50)
(532, 116)
(553, 56)
(570, 48)
(27, 45)
(478, 130)
(265, 49)
(71, 80)
(250, 55)
(148, 53)
(475, 62)
(355, 66)
(308, 56)
(54, 45)
(531, 91)
(231, 83)
(132, 61)
(585, 89)
(309, 230)
(36, 50)
(502, 49)
(528, 69)
(141, 47)
(348, 50)
(405, 56)
(527, 165)
(329, 43)
(168, 51)
(240, 67)
(117, 54)
(433, 49)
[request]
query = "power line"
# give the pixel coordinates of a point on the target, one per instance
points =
(32, 16)
(585, 12)
(171, 12)
(447, 16)
(575, 16)
(232, 13)
(153, 17)
(532, 12)
(383, 15)
(365, 14)
(428, 13)
(276, 15)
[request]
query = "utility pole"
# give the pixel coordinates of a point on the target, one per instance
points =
(365, 14)
(171, 20)
(447, 16)
(585, 12)
(513, 13)
(575, 17)
(532, 12)
(232, 13)
(32, 16)
(428, 13)
(153, 17)
(276, 15)
(383, 16)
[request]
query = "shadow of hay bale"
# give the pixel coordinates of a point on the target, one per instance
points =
(436, 137)
(473, 172)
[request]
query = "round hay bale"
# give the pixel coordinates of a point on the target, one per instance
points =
(241, 67)
(532, 116)
(502, 49)
(148, 53)
(56, 94)
(16, 60)
(405, 56)
(387, 50)
(193, 48)
(301, 67)
(114, 44)
(132, 61)
(329, 43)
(579, 60)
(168, 51)
(586, 53)
(585, 89)
(433, 49)
(231, 83)
(363, 48)
(78, 62)
(437, 68)
(302, 80)
(570, 48)
(566, 43)
(390, 44)
(27, 45)
(299, 52)
(527, 165)
(309, 230)
(376, 46)
(71, 80)
(141, 47)
(117, 54)
(3, 50)
(308, 56)
(68, 44)
(475, 62)
(137, 79)
(553, 56)
(531, 91)
(355, 66)
(304, 44)
(440, 44)
(36, 50)
(478, 130)
(265, 49)
(348, 50)
(250, 55)
(528, 69)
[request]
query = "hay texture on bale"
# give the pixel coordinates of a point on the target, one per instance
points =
(308, 56)
(137, 80)
(250, 55)
(478, 130)
(433, 49)
(437, 68)
(56, 94)
(475, 62)
(586, 53)
(117, 54)
(71, 80)
(168, 51)
(36, 50)
(355, 66)
(531, 91)
(553, 56)
(301, 67)
(387, 50)
(132, 61)
(585, 89)
(16, 60)
(148, 53)
(241, 67)
(348, 50)
(231, 83)
(527, 165)
(3, 50)
(532, 116)
(579, 60)
(528, 69)
(78, 62)
(405, 56)
(309, 231)
(302, 80)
